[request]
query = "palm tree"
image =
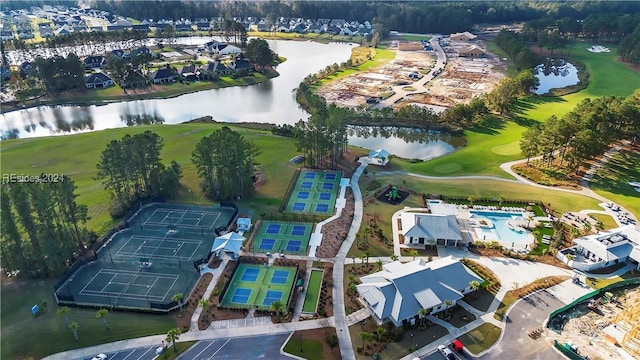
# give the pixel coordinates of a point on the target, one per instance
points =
(102, 314)
(74, 328)
(277, 306)
(178, 297)
(64, 311)
(366, 255)
(379, 332)
(363, 336)
(362, 257)
(575, 231)
(394, 257)
(354, 260)
(370, 337)
(587, 227)
(423, 314)
(413, 253)
(172, 336)
(475, 285)
(447, 304)
(471, 199)
(600, 225)
(379, 265)
(500, 201)
(204, 304)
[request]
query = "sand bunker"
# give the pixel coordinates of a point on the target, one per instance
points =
(598, 49)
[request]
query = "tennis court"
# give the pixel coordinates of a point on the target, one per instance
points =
(282, 237)
(315, 192)
(143, 266)
(258, 286)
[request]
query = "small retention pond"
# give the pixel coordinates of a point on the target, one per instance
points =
(555, 73)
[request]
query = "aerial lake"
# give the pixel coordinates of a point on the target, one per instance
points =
(554, 74)
(270, 102)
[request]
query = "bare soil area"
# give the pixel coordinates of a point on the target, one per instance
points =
(334, 233)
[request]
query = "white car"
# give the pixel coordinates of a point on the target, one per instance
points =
(446, 352)
(100, 357)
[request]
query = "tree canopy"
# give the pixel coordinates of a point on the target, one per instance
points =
(259, 53)
(225, 162)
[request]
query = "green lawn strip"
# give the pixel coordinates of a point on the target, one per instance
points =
(607, 220)
(19, 328)
(415, 37)
(51, 155)
(321, 38)
(495, 49)
(480, 338)
(311, 349)
(560, 201)
(180, 348)
(313, 292)
(382, 56)
(539, 232)
(488, 145)
(612, 180)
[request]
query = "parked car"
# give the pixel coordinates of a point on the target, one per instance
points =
(100, 357)
(446, 352)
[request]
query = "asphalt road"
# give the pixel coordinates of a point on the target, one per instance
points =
(256, 347)
(145, 353)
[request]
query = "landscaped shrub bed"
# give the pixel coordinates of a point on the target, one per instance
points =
(512, 296)
(491, 282)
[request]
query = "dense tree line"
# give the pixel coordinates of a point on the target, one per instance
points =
(131, 169)
(629, 48)
(43, 228)
(323, 136)
(60, 74)
(225, 162)
(585, 132)
(421, 17)
(517, 51)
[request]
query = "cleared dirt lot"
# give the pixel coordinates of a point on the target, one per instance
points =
(462, 79)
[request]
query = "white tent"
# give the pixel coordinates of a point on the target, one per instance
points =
(229, 243)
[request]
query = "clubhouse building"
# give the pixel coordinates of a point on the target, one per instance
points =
(399, 291)
(429, 229)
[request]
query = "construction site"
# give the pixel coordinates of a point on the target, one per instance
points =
(470, 71)
(605, 328)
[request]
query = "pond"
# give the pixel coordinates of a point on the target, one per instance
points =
(555, 73)
(270, 102)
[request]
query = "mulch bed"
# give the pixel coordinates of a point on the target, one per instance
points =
(183, 319)
(351, 301)
(383, 196)
(325, 307)
(334, 233)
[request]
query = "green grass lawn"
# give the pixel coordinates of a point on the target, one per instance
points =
(612, 180)
(53, 154)
(415, 37)
(382, 56)
(313, 292)
(480, 338)
(560, 201)
(26, 336)
(180, 348)
(323, 38)
(607, 220)
(311, 349)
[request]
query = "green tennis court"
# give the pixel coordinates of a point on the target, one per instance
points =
(315, 192)
(313, 292)
(259, 286)
(282, 237)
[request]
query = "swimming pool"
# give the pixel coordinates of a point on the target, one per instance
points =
(497, 227)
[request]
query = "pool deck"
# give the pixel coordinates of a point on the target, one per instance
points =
(341, 202)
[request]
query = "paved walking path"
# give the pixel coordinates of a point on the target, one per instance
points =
(358, 316)
(216, 275)
(342, 327)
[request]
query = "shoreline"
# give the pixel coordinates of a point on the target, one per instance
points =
(124, 97)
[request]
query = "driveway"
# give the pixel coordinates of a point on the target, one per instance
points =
(257, 347)
(527, 314)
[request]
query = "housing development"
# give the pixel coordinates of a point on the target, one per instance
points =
(320, 180)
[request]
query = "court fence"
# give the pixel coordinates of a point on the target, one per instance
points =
(98, 247)
(287, 194)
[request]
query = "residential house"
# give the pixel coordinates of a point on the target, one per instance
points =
(140, 51)
(283, 28)
(222, 48)
(240, 63)
(24, 35)
(218, 68)
(7, 34)
(338, 23)
(63, 30)
(96, 28)
(93, 62)
(332, 30)
(315, 28)
(163, 76)
(134, 79)
(79, 27)
(379, 157)
(463, 37)
(184, 27)
(119, 53)
(299, 29)
(140, 27)
(5, 74)
(203, 24)
(604, 249)
(348, 31)
(472, 51)
(190, 73)
(262, 27)
(25, 69)
(98, 81)
(163, 26)
(399, 291)
(429, 229)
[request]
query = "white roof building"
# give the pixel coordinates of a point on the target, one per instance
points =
(399, 291)
(429, 229)
(378, 157)
(604, 249)
(230, 243)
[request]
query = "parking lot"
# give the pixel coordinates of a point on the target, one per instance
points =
(261, 347)
(145, 353)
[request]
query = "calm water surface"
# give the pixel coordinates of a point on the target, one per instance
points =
(270, 102)
(554, 74)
